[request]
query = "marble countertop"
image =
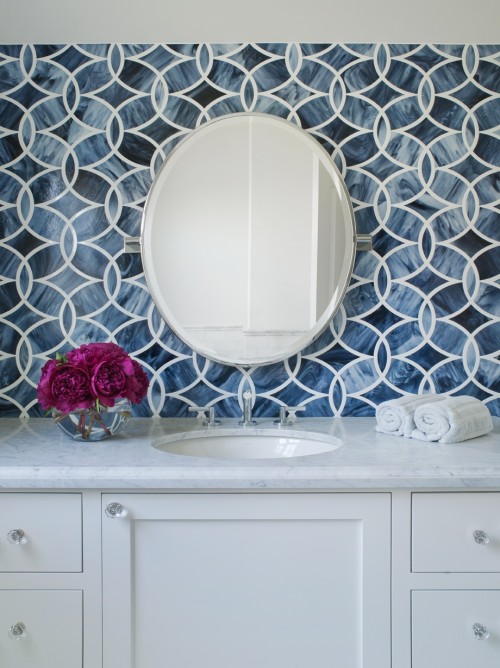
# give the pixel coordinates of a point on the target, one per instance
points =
(34, 453)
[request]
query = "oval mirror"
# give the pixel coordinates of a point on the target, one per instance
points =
(248, 239)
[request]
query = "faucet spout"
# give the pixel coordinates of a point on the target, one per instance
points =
(247, 410)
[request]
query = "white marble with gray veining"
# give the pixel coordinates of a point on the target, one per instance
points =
(34, 453)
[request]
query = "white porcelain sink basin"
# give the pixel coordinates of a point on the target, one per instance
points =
(218, 445)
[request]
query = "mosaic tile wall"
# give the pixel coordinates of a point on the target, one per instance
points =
(414, 130)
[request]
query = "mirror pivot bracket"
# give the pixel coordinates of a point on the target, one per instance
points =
(364, 242)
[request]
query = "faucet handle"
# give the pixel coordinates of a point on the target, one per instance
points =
(207, 414)
(287, 415)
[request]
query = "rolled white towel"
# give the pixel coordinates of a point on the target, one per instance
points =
(452, 420)
(396, 415)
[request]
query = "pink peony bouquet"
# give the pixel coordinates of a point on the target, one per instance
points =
(91, 376)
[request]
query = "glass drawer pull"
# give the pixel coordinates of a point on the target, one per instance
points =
(480, 631)
(481, 537)
(16, 536)
(17, 631)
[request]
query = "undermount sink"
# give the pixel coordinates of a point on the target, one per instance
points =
(246, 446)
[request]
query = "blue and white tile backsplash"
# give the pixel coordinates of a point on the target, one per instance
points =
(414, 130)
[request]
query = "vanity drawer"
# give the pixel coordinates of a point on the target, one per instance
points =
(455, 628)
(40, 532)
(456, 532)
(41, 628)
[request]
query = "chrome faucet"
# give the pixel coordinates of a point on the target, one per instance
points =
(247, 419)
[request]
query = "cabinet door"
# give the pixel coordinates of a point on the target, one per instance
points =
(247, 581)
(41, 628)
(455, 628)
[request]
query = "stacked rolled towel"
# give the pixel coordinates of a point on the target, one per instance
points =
(452, 420)
(396, 416)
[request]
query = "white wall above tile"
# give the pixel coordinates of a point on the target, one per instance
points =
(60, 21)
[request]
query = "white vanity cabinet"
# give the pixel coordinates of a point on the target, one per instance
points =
(455, 598)
(381, 554)
(245, 580)
(389, 579)
(41, 611)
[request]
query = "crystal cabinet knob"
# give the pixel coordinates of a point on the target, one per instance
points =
(16, 536)
(481, 537)
(480, 631)
(115, 510)
(17, 631)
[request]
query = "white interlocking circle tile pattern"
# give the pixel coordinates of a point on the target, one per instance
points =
(415, 131)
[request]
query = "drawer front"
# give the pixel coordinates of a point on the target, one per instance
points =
(456, 532)
(41, 628)
(455, 628)
(40, 533)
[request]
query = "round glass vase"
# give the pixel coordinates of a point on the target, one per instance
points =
(91, 424)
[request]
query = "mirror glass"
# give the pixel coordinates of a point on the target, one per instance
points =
(248, 239)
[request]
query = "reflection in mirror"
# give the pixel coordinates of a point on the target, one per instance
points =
(248, 239)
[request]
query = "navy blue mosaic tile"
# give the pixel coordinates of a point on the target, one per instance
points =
(414, 131)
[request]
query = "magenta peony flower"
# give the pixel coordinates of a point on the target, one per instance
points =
(90, 354)
(109, 381)
(93, 374)
(137, 384)
(64, 386)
